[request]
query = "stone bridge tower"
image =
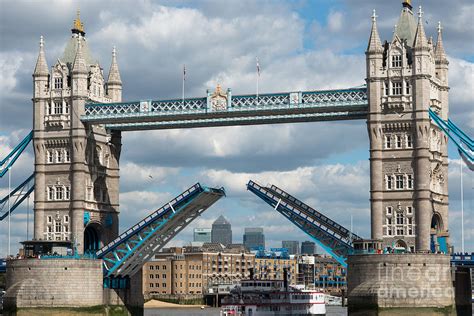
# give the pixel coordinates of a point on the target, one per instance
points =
(408, 154)
(76, 165)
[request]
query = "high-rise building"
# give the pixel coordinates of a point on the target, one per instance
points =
(308, 248)
(293, 246)
(221, 231)
(202, 234)
(254, 238)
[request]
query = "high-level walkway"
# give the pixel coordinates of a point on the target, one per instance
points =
(224, 109)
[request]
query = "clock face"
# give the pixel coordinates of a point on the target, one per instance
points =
(219, 103)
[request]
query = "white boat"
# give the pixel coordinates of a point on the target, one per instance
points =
(272, 297)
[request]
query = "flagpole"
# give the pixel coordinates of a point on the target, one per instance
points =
(184, 79)
(258, 75)
(9, 208)
(462, 210)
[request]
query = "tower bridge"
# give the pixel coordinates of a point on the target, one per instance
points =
(79, 117)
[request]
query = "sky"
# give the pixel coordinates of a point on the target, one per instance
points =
(301, 45)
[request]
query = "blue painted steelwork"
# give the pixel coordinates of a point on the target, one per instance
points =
(126, 254)
(339, 246)
(21, 192)
(10, 159)
(307, 106)
(463, 259)
(455, 134)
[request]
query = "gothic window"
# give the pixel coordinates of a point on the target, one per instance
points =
(49, 156)
(59, 193)
(50, 108)
(66, 108)
(398, 142)
(396, 60)
(59, 156)
(67, 193)
(57, 227)
(389, 210)
(407, 87)
(409, 141)
(399, 182)
(389, 182)
(58, 82)
(409, 181)
(388, 141)
(50, 193)
(400, 218)
(396, 87)
(58, 107)
(67, 156)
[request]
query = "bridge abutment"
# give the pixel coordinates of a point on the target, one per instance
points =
(378, 282)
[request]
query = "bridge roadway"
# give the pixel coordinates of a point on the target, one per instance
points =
(223, 109)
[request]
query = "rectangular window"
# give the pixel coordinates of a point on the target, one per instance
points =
(389, 183)
(163, 284)
(389, 221)
(66, 108)
(67, 193)
(151, 284)
(58, 107)
(409, 210)
(410, 181)
(66, 218)
(50, 108)
(49, 155)
(50, 219)
(388, 141)
(385, 88)
(399, 182)
(400, 231)
(164, 276)
(58, 83)
(66, 228)
(397, 61)
(59, 156)
(397, 88)
(50, 194)
(151, 276)
(50, 229)
(59, 193)
(57, 226)
(67, 156)
(407, 87)
(398, 143)
(409, 141)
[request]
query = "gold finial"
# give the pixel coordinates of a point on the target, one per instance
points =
(407, 3)
(78, 26)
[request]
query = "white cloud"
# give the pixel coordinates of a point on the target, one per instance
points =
(9, 65)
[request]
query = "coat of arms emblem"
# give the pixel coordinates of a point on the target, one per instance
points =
(218, 100)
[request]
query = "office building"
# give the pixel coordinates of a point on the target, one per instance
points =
(202, 235)
(293, 246)
(308, 248)
(221, 231)
(254, 238)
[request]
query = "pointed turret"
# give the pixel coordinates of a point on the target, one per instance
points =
(420, 36)
(440, 54)
(79, 65)
(41, 68)
(375, 45)
(114, 74)
(114, 82)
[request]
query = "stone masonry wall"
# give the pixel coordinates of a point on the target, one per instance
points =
(53, 283)
(399, 280)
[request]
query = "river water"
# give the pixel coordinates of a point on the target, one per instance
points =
(331, 311)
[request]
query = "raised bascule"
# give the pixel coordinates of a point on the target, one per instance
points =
(79, 117)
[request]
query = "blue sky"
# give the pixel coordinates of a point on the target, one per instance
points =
(300, 44)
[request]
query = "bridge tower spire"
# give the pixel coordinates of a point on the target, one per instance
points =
(114, 82)
(408, 157)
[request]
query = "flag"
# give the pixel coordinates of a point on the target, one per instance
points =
(258, 66)
(184, 72)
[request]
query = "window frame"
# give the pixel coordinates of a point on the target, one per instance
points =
(397, 88)
(397, 61)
